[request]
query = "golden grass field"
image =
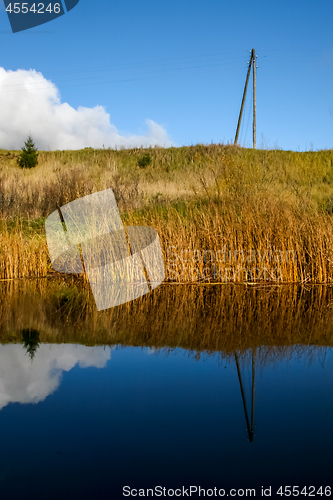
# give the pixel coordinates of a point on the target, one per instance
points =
(223, 213)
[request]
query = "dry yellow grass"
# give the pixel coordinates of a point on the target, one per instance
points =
(222, 213)
(22, 255)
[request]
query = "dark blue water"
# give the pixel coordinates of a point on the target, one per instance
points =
(83, 422)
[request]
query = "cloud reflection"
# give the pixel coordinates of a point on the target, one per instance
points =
(23, 381)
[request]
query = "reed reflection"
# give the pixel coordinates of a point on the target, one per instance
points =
(201, 319)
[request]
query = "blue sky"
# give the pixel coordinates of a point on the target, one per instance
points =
(183, 65)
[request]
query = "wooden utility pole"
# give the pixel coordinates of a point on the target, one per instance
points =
(253, 63)
(254, 100)
(243, 100)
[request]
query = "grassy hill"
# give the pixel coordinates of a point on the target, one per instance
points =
(223, 213)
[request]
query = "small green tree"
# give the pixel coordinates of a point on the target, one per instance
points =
(29, 156)
(144, 160)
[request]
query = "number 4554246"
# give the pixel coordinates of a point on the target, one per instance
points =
(309, 491)
(36, 8)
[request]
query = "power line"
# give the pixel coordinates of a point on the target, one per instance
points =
(15, 87)
(144, 66)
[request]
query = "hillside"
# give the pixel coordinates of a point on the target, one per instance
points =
(223, 213)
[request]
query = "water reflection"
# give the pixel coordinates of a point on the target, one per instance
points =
(30, 339)
(163, 418)
(191, 369)
(249, 423)
(225, 319)
(24, 382)
(30, 379)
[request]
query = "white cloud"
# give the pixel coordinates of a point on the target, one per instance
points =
(23, 381)
(29, 102)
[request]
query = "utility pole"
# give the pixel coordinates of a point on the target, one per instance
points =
(243, 100)
(254, 100)
(253, 63)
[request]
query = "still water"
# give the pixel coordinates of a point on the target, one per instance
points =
(83, 421)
